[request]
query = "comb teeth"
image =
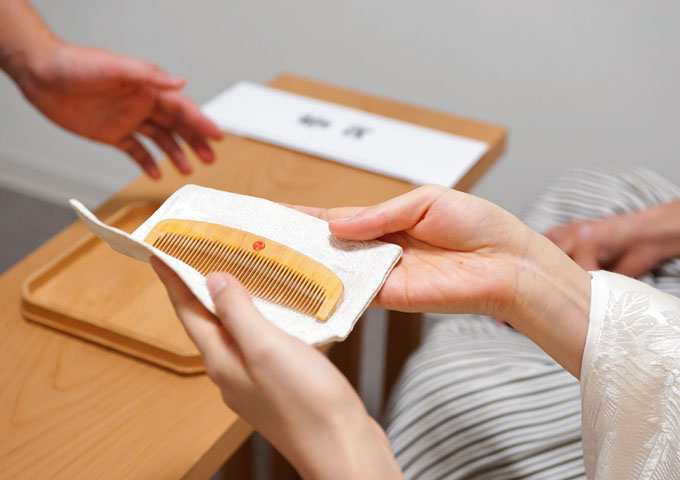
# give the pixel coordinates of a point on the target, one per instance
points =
(293, 280)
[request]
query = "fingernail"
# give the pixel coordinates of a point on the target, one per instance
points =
(341, 220)
(154, 172)
(208, 156)
(205, 154)
(215, 283)
(175, 79)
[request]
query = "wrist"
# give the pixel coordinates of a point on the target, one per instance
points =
(551, 302)
(346, 448)
(27, 66)
(26, 41)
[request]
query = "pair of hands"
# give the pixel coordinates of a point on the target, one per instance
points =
(114, 99)
(461, 254)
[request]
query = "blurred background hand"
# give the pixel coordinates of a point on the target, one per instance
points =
(101, 95)
(113, 99)
(631, 244)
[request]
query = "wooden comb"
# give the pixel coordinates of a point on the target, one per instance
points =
(269, 270)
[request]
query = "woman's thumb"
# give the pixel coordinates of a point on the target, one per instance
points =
(144, 73)
(235, 309)
(395, 215)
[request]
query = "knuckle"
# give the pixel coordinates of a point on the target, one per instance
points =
(260, 354)
(215, 373)
(159, 136)
(585, 232)
(172, 106)
(433, 189)
(125, 143)
(227, 397)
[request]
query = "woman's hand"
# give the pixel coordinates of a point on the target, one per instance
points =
(463, 254)
(284, 388)
(114, 99)
(101, 95)
(631, 244)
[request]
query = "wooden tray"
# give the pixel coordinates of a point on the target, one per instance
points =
(93, 292)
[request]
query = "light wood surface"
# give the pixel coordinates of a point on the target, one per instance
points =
(94, 292)
(71, 409)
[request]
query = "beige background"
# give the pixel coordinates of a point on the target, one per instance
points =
(576, 82)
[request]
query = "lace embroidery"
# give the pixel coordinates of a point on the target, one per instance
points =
(631, 411)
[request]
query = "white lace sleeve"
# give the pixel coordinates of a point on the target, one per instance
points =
(630, 381)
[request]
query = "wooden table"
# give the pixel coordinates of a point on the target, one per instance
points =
(71, 409)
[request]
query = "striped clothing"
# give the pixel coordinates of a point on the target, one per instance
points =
(479, 400)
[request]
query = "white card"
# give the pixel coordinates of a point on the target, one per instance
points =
(372, 142)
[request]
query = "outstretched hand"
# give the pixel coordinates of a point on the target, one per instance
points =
(113, 99)
(463, 254)
(460, 251)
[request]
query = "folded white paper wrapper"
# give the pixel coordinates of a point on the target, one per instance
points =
(362, 266)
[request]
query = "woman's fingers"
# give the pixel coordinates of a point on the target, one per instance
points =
(397, 214)
(239, 316)
(178, 113)
(563, 236)
(214, 343)
(196, 141)
(327, 214)
(367, 223)
(140, 155)
(165, 140)
(586, 257)
(174, 114)
(580, 241)
(635, 262)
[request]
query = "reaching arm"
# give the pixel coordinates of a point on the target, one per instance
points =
(101, 95)
(463, 254)
(24, 38)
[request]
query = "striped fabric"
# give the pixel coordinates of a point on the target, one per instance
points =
(480, 401)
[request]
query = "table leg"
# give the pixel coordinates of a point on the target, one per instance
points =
(240, 464)
(347, 355)
(404, 331)
(281, 469)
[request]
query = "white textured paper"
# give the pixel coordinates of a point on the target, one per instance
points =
(361, 139)
(362, 266)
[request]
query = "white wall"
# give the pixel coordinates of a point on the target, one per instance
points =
(576, 82)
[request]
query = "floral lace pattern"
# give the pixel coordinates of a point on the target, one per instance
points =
(631, 382)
